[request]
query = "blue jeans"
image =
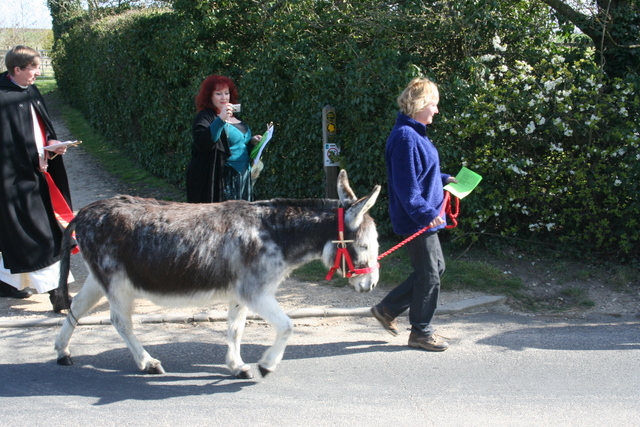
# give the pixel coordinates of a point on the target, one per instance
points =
(420, 291)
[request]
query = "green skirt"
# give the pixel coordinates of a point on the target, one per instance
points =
(237, 186)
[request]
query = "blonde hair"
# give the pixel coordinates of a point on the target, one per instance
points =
(417, 95)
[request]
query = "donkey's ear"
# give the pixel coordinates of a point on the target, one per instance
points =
(346, 194)
(355, 213)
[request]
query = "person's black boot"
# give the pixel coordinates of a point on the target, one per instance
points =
(59, 302)
(8, 291)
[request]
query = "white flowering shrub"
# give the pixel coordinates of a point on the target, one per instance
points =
(556, 142)
(557, 145)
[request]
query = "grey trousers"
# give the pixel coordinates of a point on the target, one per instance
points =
(420, 291)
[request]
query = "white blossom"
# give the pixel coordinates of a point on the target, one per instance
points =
(522, 65)
(550, 85)
(557, 148)
(517, 170)
(496, 44)
(530, 128)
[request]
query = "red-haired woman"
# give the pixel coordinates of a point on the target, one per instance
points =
(220, 166)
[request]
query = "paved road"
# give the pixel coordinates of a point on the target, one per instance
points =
(501, 370)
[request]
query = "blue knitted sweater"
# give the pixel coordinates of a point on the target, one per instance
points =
(415, 181)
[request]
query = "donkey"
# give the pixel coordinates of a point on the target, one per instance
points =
(178, 254)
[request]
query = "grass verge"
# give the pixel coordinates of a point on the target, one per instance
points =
(111, 158)
(460, 275)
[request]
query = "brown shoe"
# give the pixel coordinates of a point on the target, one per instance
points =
(385, 319)
(431, 342)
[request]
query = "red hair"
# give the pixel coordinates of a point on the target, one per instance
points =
(211, 84)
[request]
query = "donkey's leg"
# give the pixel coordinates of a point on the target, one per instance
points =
(85, 300)
(236, 319)
(121, 298)
(268, 308)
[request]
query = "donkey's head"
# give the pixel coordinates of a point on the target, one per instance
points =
(359, 227)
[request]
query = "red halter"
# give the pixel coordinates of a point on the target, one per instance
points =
(342, 254)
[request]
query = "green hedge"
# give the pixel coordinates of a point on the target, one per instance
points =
(556, 141)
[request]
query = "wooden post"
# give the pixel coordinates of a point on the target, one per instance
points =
(330, 149)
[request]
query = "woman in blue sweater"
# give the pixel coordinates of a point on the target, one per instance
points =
(415, 201)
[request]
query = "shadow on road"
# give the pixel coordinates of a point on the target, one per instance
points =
(192, 369)
(569, 337)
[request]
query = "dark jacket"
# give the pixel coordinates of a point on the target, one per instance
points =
(208, 157)
(30, 235)
(416, 185)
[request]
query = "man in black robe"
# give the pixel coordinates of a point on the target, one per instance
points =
(30, 234)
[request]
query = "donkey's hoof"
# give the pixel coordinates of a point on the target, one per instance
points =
(155, 369)
(244, 375)
(264, 371)
(64, 361)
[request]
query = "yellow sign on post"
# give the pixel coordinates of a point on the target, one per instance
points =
(330, 151)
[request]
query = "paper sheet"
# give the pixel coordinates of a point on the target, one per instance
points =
(62, 144)
(468, 180)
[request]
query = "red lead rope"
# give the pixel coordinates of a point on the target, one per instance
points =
(343, 255)
(446, 208)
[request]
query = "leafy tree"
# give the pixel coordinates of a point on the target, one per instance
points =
(614, 28)
(64, 14)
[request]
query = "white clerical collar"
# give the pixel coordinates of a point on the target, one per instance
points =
(16, 83)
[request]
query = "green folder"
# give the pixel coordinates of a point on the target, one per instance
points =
(468, 180)
(257, 150)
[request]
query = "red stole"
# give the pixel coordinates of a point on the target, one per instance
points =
(61, 209)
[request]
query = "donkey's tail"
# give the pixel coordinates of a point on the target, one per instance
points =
(68, 243)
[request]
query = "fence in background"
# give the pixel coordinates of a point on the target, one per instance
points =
(45, 66)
